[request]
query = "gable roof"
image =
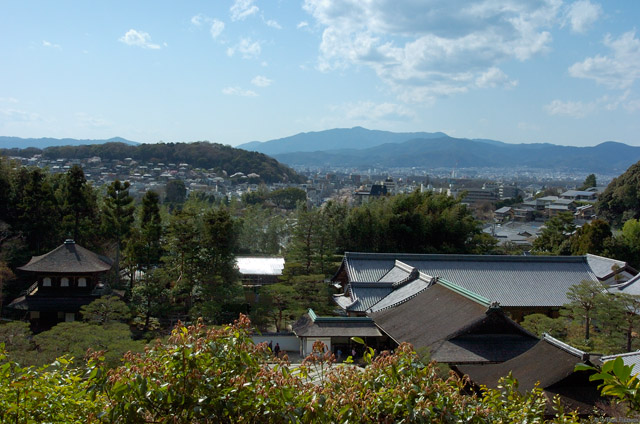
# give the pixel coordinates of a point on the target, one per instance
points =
(629, 358)
(68, 258)
(472, 333)
(509, 280)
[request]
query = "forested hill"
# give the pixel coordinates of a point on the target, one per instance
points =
(200, 155)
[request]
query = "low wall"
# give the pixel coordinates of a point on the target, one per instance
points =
(288, 341)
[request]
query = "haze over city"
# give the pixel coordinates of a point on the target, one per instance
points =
(243, 70)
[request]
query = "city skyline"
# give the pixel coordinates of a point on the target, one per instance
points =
(244, 70)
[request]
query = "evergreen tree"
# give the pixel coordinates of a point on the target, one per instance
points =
(79, 206)
(38, 212)
(118, 216)
(151, 229)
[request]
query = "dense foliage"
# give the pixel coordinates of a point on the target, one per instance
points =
(212, 375)
(621, 199)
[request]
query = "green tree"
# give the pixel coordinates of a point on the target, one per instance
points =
(176, 192)
(150, 229)
(288, 198)
(105, 310)
(620, 201)
(554, 238)
(589, 182)
(150, 299)
(79, 205)
(592, 238)
(118, 216)
(584, 299)
(38, 212)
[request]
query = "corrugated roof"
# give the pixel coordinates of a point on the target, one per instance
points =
(68, 258)
(509, 280)
(252, 265)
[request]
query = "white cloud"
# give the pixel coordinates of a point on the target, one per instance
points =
(618, 70)
(582, 14)
(46, 43)
(570, 108)
(9, 115)
(216, 26)
(139, 39)
(238, 91)
(247, 48)
(273, 24)
(8, 100)
(374, 112)
(424, 50)
(241, 9)
(494, 77)
(302, 24)
(261, 81)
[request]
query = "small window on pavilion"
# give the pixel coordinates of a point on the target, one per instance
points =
(46, 282)
(64, 282)
(69, 317)
(82, 282)
(34, 314)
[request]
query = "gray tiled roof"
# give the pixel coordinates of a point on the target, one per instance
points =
(602, 266)
(367, 294)
(631, 358)
(403, 293)
(253, 265)
(509, 280)
(68, 258)
(630, 287)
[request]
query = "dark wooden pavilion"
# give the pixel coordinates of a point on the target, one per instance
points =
(66, 278)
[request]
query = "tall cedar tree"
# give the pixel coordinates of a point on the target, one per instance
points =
(79, 205)
(118, 216)
(151, 229)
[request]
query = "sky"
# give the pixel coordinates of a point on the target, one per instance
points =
(234, 71)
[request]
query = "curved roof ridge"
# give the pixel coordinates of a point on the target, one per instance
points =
(564, 346)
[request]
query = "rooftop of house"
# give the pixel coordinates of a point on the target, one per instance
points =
(255, 265)
(311, 325)
(69, 258)
(508, 280)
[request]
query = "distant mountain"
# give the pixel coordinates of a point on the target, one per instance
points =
(339, 138)
(446, 151)
(41, 143)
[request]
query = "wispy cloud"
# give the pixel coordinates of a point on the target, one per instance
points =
(8, 115)
(272, 23)
(618, 70)
(216, 26)
(138, 39)
(238, 91)
(581, 15)
(86, 120)
(578, 109)
(51, 45)
(241, 9)
(261, 81)
(8, 100)
(247, 48)
(425, 50)
(302, 24)
(367, 111)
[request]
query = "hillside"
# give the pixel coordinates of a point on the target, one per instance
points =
(200, 155)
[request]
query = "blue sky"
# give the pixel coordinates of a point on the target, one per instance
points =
(519, 71)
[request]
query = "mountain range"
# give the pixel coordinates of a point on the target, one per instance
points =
(359, 147)
(42, 143)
